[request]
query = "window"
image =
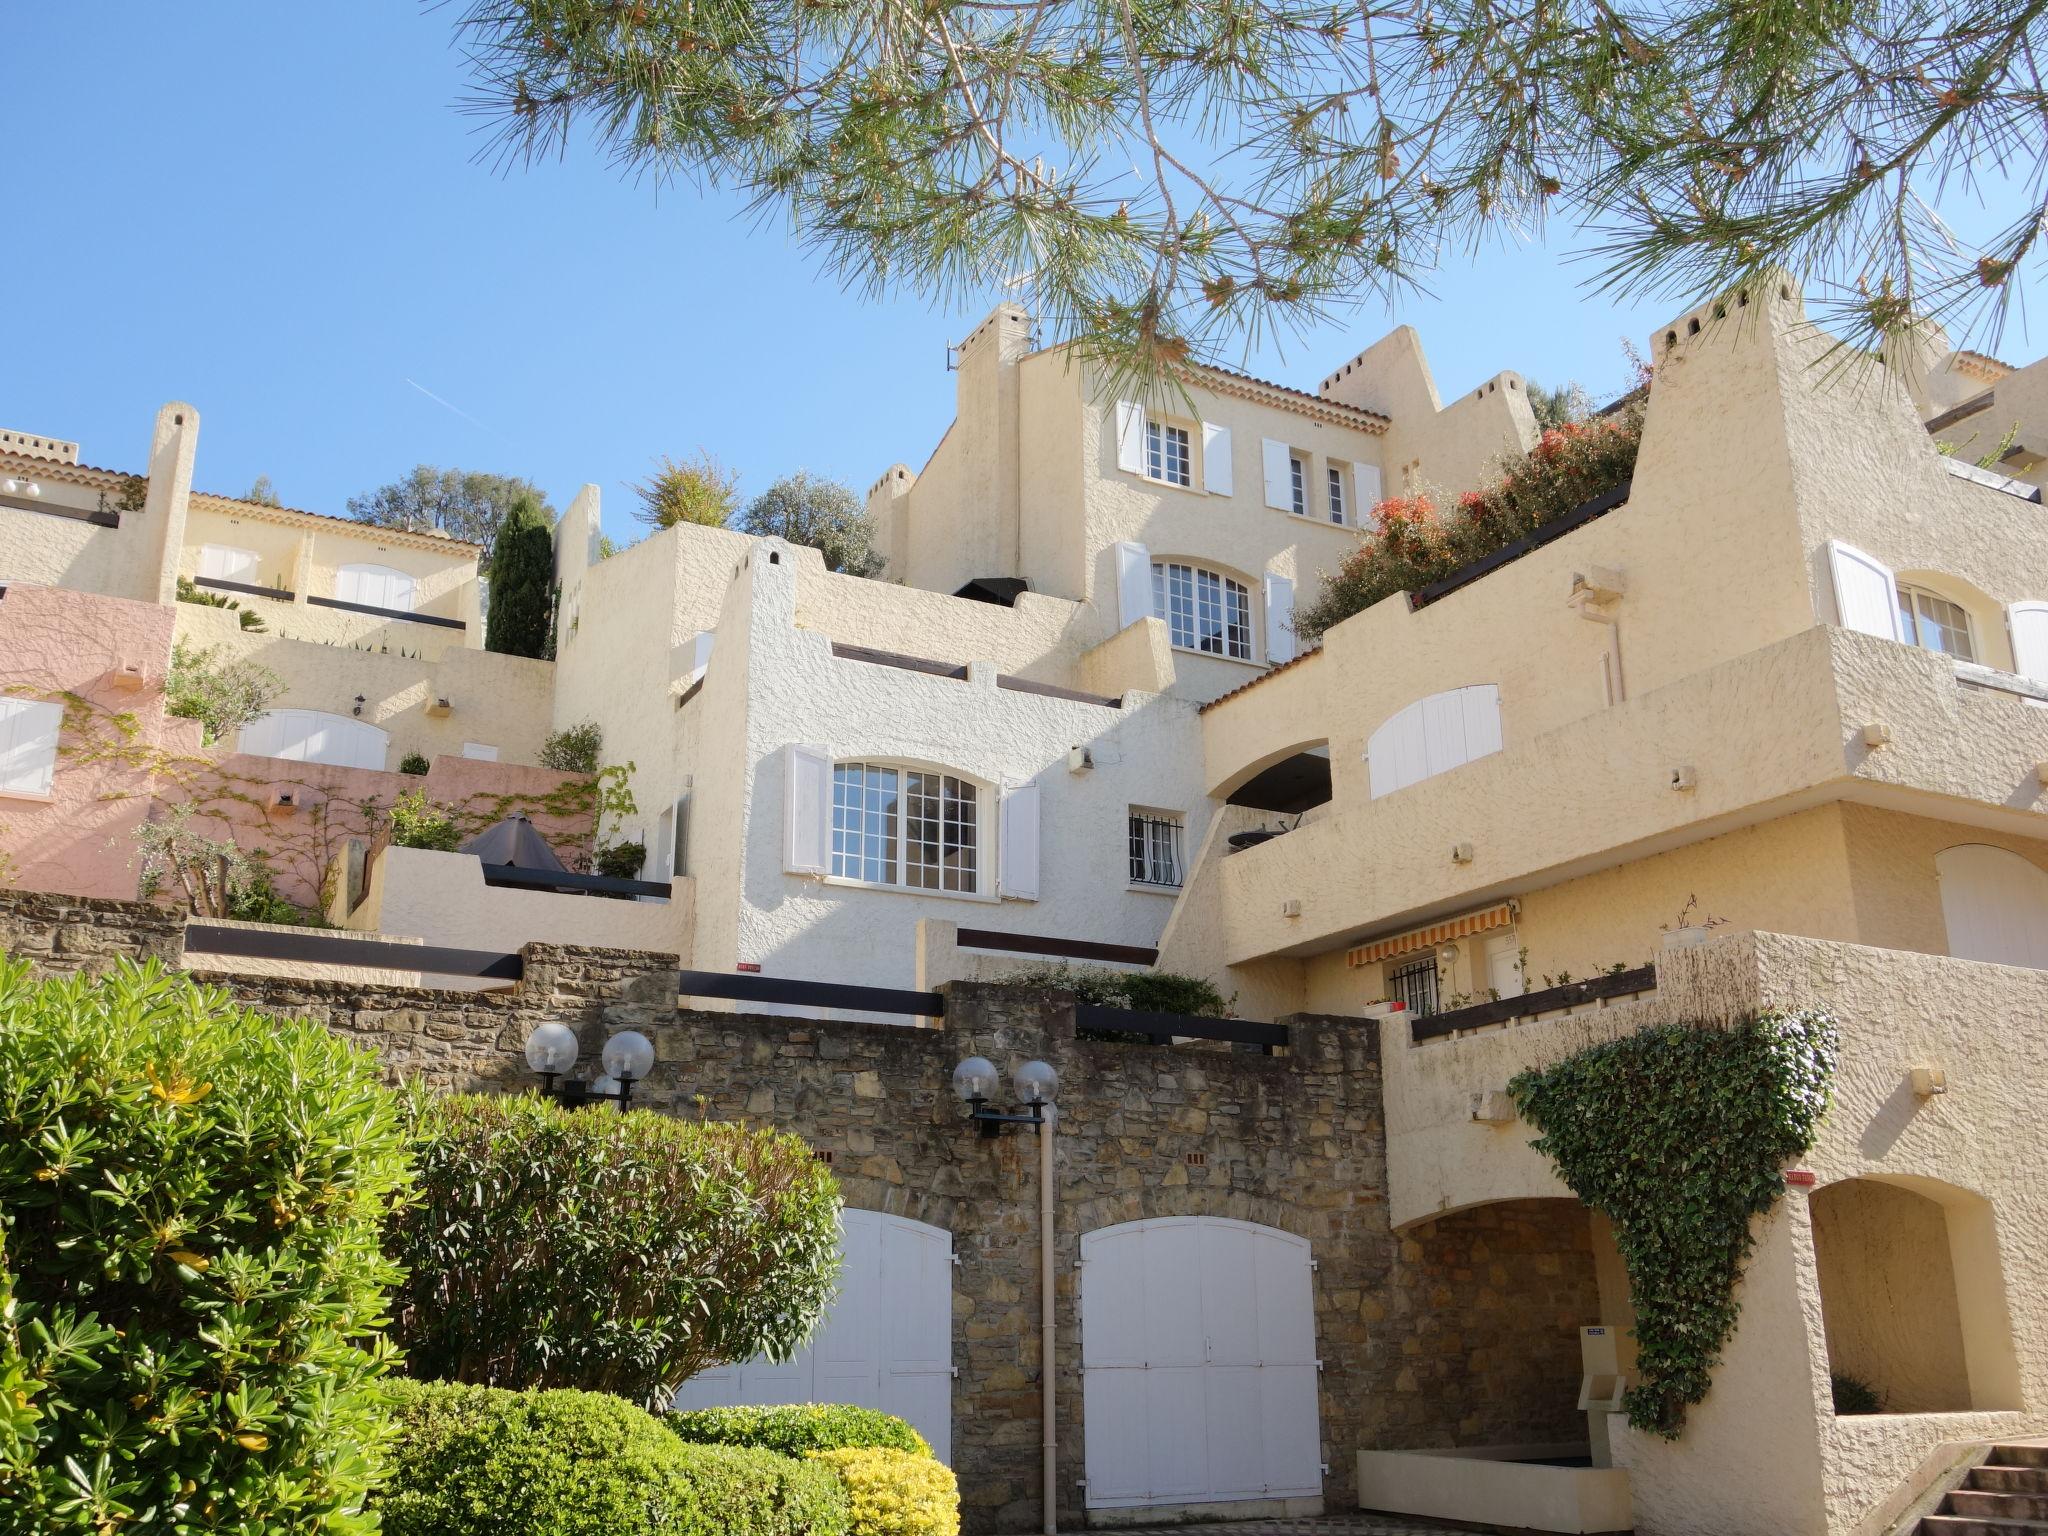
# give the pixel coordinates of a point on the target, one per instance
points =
(904, 826)
(1336, 494)
(1297, 482)
(223, 562)
(28, 746)
(374, 586)
(1166, 453)
(1155, 849)
(1204, 611)
(1934, 623)
(1414, 985)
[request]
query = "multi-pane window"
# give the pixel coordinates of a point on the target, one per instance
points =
(1297, 477)
(1166, 453)
(1204, 611)
(1935, 623)
(1336, 494)
(1155, 849)
(1414, 985)
(904, 826)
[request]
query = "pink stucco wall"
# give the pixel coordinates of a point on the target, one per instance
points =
(119, 755)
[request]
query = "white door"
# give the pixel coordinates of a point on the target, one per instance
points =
(1198, 1368)
(886, 1342)
(1504, 965)
(1995, 904)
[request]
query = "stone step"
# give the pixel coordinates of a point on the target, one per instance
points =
(1995, 1479)
(1970, 1525)
(2018, 1456)
(1996, 1506)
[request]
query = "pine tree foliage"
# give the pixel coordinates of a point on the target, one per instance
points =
(1174, 178)
(522, 609)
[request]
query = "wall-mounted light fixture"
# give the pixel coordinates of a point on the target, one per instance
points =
(360, 702)
(21, 487)
(1036, 1084)
(627, 1058)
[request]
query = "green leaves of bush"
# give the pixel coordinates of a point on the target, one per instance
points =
(191, 1284)
(472, 1461)
(798, 1429)
(1680, 1134)
(622, 1253)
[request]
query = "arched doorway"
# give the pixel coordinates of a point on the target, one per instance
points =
(886, 1342)
(1198, 1364)
(1995, 904)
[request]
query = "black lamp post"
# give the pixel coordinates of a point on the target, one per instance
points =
(975, 1081)
(628, 1057)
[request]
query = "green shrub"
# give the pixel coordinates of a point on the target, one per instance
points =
(1853, 1395)
(1143, 991)
(475, 1461)
(416, 822)
(258, 902)
(895, 1493)
(191, 1280)
(794, 1430)
(622, 861)
(616, 1252)
(414, 763)
(574, 748)
(223, 695)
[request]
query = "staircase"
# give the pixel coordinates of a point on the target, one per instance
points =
(2006, 1496)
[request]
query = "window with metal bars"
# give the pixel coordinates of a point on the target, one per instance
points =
(1155, 849)
(1166, 453)
(1414, 986)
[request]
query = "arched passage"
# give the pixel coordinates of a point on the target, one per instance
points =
(1912, 1295)
(1995, 905)
(1198, 1364)
(886, 1341)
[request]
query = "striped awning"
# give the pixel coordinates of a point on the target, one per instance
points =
(1436, 933)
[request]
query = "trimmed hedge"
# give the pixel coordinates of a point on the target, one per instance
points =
(480, 1461)
(895, 1493)
(798, 1429)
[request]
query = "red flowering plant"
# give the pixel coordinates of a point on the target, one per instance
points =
(1410, 544)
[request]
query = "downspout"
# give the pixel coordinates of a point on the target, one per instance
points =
(1046, 1329)
(1596, 594)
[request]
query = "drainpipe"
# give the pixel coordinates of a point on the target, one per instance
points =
(1045, 1319)
(1596, 594)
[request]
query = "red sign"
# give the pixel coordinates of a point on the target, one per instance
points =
(751, 967)
(1804, 1178)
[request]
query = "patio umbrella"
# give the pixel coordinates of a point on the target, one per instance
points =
(514, 841)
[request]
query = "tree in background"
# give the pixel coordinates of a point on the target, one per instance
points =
(1557, 407)
(808, 509)
(263, 493)
(520, 619)
(699, 490)
(1293, 157)
(465, 503)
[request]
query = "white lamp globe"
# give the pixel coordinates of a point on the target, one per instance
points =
(628, 1054)
(976, 1078)
(1036, 1082)
(551, 1048)
(604, 1085)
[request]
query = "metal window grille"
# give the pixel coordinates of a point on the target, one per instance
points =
(1166, 453)
(1414, 986)
(1155, 850)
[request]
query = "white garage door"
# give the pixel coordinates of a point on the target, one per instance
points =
(313, 736)
(886, 1342)
(1198, 1364)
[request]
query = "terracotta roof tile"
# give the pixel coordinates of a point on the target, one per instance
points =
(1270, 672)
(260, 509)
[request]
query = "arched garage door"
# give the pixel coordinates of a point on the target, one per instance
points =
(886, 1342)
(1198, 1364)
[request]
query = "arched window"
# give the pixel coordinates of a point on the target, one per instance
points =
(1995, 904)
(1204, 610)
(311, 736)
(915, 827)
(1935, 624)
(1434, 735)
(374, 586)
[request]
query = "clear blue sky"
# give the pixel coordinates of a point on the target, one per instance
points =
(272, 211)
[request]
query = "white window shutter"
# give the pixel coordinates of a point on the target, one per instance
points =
(479, 751)
(1133, 584)
(1866, 596)
(1365, 478)
(1019, 874)
(29, 730)
(2028, 624)
(1130, 437)
(364, 746)
(1279, 475)
(807, 810)
(1279, 618)
(1217, 478)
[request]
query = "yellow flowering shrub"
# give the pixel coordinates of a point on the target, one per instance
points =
(895, 1493)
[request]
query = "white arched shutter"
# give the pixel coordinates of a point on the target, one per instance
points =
(1279, 468)
(1866, 596)
(1434, 735)
(1279, 618)
(1018, 877)
(1995, 904)
(1217, 477)
(807, 810)
(1130, 437)
(1133, 584)
(2028, 624)
(361, 745)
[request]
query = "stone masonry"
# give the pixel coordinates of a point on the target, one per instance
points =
(1418, 1347)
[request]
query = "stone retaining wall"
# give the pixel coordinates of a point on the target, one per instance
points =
(1294, 1142)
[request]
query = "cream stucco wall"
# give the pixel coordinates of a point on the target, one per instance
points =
(1888, 1294)
(1430, 444)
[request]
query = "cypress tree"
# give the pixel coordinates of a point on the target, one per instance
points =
(522, 610)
